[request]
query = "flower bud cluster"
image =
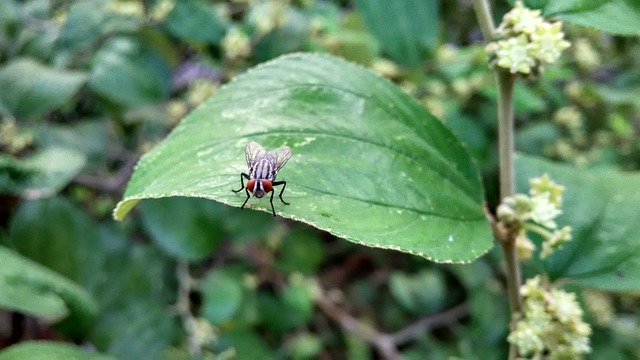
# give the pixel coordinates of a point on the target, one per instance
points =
(236, 44)
(551, 324)
(524, 41)
(535, 212)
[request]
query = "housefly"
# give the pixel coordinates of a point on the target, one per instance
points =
(263, 169)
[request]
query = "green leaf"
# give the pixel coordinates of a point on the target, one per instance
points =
(187, 228)
(406, 29)
(603, 208)
(410, 290)
(598, 14)
(247, 345)
(129, 73)
(48, 350)
(194, 20)
(128, 280)
(369, 163)
(288, 37)
(301, 252)
(58, 235)
(223, 292)
(33, 289)
(40, 175)
(89, 138)
(90, 20)
(29, 89)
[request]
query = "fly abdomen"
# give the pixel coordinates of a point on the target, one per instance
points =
(263, 169)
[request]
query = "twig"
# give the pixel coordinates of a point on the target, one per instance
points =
(432, 321)
(113, 184)
(386, 344)
(183, 306)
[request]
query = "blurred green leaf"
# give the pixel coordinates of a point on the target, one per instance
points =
(305, 346)
(187, 228)
(222, 291)
(29, 89)
(369, 163)
(130, 73)
(598, 14)
(603, 208)
(88, 21)
(40, 175)
(247, 345)
(195, 20)
(297, 297)
(301, 251)
(406, 29)
(28, 287)
(288, 37)
(140, 328)
(58, 235)
(535, 137)
(128, 281)
(89, 137)
(48, 350)
(420, 293)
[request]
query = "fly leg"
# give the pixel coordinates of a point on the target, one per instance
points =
(276, 183)
(271, 201)
(242, 177)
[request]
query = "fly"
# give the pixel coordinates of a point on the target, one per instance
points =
(263, 169)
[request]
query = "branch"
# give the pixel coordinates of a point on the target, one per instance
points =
(386, 344)
(113, 184)
(183, 306)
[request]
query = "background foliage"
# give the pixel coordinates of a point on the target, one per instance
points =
(88, 86)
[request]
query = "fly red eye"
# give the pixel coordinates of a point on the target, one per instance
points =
(266, 185)
(251, 185)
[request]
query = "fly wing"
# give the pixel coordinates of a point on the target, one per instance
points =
(282, 155)
(252, 152)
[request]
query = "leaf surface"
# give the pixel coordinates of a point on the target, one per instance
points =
(603, 208)
(596, 14)
(369, 163)
(29, 89)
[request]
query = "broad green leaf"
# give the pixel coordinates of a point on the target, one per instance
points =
(195, 20)
(29, 89)
(406, 29)
(129, 72)
(603, 208)
(598, 14)
(369, 163)
(40, 175)
(33, 289)
(49, 350)
(187, 228)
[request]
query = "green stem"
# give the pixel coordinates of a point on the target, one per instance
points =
(505, 83)
(483, 13)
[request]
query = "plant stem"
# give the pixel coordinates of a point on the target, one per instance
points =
(505, 82)
(183, 306)
(483, 13)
